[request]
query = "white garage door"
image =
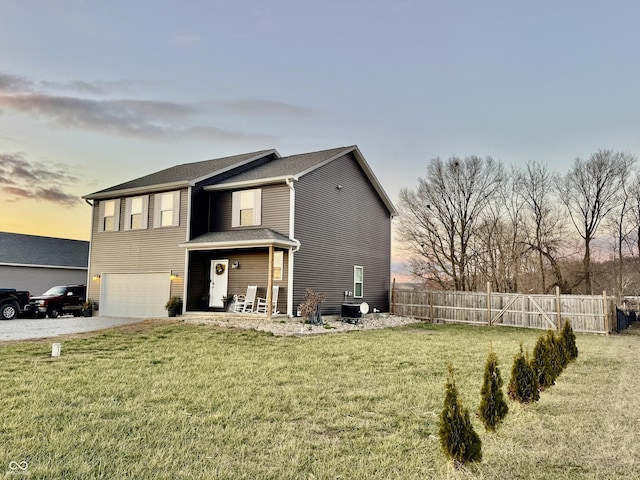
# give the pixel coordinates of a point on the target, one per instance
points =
(134, 294)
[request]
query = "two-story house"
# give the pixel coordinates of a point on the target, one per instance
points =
(204, 231)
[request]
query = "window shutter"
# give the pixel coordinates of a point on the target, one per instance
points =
(127, 213)
(116, 220)
(145, 211)
(257, 206)
(235, 209)
(156, 209)
(101, 216)
(176, 208)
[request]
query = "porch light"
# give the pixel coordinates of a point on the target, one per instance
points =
(174, 276)
(235, 265)
(96, 277)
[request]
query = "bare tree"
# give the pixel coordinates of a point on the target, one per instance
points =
(438, 220)
(544, 224)
(590, 190)
(499, 246)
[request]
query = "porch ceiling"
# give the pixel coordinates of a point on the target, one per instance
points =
(246, 238)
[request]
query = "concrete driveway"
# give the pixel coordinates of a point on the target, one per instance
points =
(33, 328)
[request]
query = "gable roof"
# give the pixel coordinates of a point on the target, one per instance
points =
(278, 170)
(32, 250)
(295, 166)
(181, 175)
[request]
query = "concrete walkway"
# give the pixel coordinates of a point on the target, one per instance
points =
(34, 328)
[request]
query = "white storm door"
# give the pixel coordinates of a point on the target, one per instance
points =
(219, 282)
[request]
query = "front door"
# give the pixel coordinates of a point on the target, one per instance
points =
(219, 282)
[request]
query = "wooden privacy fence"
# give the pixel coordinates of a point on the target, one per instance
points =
(588, 313)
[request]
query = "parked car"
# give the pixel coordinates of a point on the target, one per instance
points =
(12, 302)
(59, 300)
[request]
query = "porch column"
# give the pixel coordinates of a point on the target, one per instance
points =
(270, 284)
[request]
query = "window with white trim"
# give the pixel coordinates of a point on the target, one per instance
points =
(136, 213)
(166, 209)
(109, 215)
(358, 282)
(278, 264)
(246, 208)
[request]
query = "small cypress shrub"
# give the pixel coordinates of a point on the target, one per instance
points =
(569, 341)
(542, 363)
(493, 406)
(523, 385)
(458, 439)
(555, 355)
(563, 356)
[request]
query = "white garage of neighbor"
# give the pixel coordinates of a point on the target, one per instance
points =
(134, 294)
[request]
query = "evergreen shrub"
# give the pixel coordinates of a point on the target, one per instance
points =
(493, 406)
(523, 385)
(458, 439)
(569, 341)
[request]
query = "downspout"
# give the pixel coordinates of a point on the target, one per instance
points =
(89, 276)
(185, 286)
(292, 203)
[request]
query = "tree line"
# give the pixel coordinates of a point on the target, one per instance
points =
(525, 229)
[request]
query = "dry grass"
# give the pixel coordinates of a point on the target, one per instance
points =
(183, 401)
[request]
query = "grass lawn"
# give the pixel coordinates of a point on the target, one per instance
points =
(171, 400)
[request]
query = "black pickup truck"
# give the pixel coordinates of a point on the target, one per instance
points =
(12, 303)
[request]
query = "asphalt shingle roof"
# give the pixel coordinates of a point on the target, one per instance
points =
(245, 235)
(285, 166)
(20, 249)
(185, 172)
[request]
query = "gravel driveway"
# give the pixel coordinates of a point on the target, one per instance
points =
(31, 328)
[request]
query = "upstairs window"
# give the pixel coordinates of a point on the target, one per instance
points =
(136, 213)
(246, 208)
(358, 281)
(109, 216)
(166, 209)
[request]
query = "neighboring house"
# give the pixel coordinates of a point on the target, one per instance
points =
(204, 231)
(35, 263)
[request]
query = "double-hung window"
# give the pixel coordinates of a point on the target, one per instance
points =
(246, 208)
(278, 264)
(136, 213)
(166, 209)
(109, 215)
(358, 282)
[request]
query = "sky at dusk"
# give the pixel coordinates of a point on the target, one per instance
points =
(93, 93)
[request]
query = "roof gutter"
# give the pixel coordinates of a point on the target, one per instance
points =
(249, 183)
(243, 244)
(138, 190)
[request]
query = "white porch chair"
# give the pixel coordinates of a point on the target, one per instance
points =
(245, 303)
(261, 306)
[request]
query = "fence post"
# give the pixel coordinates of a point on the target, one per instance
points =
(431, 305)
(411, 303)
(558, 308)
(488, 304)
(605, 311)
(393, 297)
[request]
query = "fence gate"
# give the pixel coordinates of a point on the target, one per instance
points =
(499, 317)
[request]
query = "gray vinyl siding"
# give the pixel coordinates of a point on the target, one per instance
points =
(339, 228)
(253, 271)
(202, 207)
(132, 251)
(275, 210)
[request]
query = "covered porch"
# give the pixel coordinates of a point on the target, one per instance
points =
(222, 265)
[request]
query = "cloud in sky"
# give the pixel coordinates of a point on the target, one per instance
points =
(145, 119)
(21, 179)
(255, 106)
